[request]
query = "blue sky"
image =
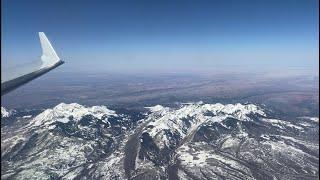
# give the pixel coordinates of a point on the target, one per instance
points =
(164, 36)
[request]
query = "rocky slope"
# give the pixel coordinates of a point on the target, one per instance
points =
(66, 141)
(210, 141)
(191, 141)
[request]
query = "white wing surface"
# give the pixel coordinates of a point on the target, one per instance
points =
(17, 76)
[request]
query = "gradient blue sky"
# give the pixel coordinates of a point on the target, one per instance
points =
(164, 36)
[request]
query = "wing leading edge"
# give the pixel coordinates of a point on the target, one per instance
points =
(21, 75)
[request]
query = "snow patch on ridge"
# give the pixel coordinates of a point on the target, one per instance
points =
(4, 112)
(190, 156)
(281, 124)
(314, 119)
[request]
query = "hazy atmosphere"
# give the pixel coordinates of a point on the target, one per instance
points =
(165, 36)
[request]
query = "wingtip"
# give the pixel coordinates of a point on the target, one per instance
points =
(41, 33)
(49, 56)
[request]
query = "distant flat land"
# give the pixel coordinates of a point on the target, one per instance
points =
(296, 95)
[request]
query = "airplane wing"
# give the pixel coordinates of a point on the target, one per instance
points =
(18, 76)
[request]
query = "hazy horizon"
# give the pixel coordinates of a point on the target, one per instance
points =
(176, 37)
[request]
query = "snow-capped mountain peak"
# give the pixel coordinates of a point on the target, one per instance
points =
(156, 108)
(189, 141)
(64, 112)
(189, 117)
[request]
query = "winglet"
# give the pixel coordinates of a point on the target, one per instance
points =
(49, 56)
